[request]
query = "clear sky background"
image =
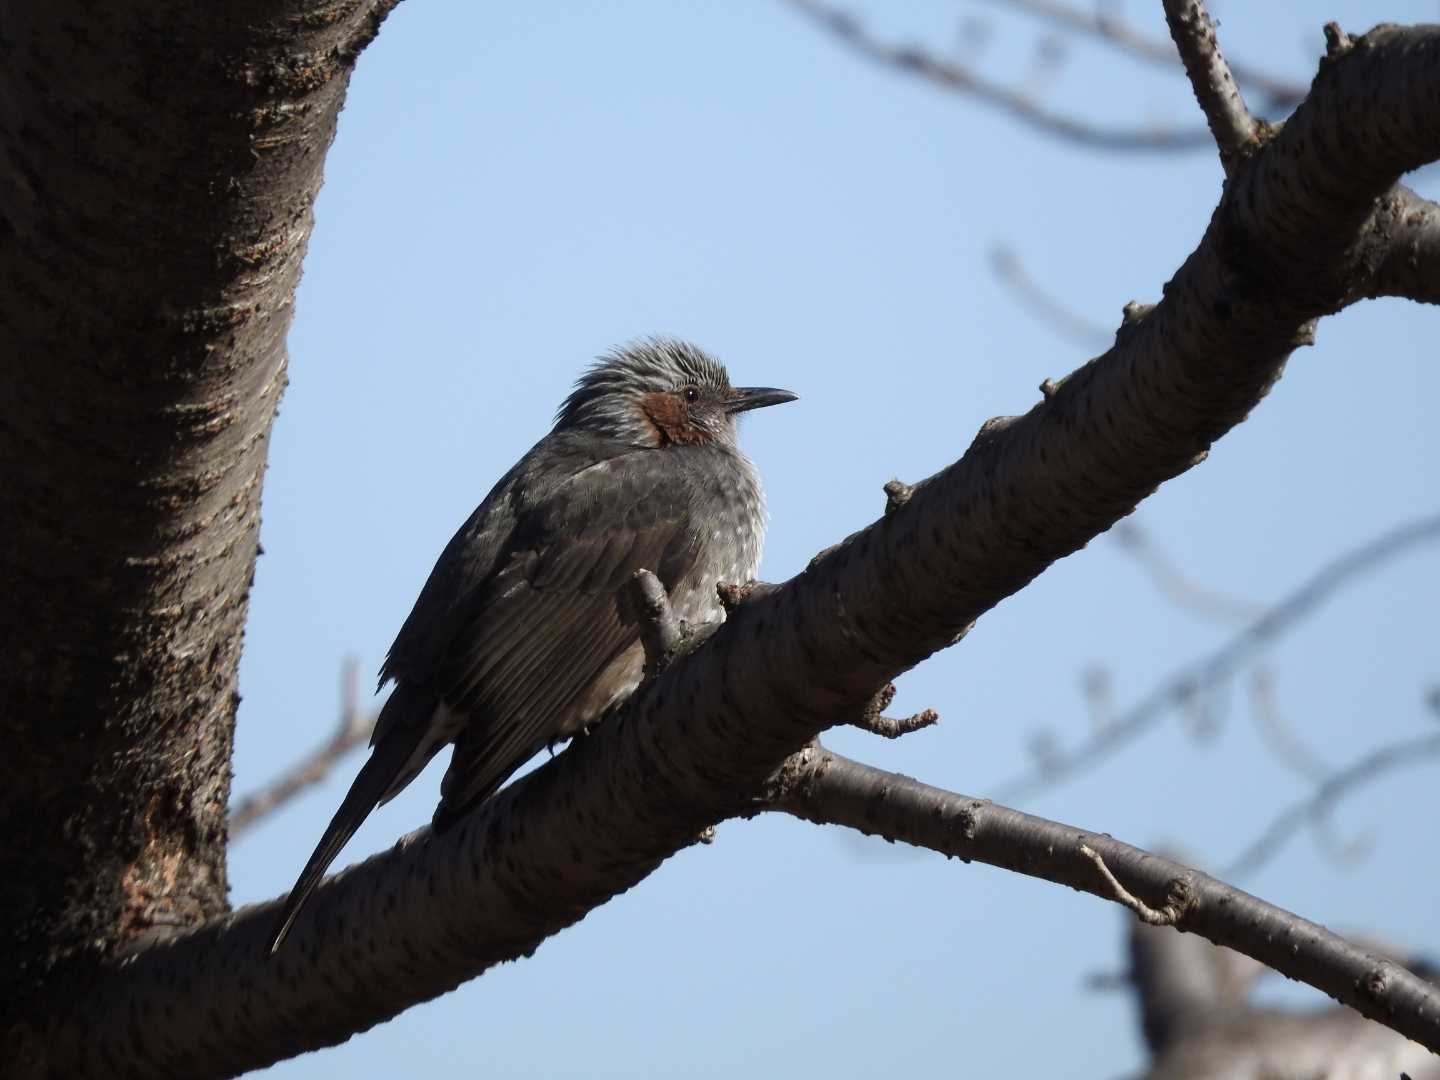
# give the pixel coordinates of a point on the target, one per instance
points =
(517, 187)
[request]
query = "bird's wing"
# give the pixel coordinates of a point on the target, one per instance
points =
(552, 622)
(469, 559)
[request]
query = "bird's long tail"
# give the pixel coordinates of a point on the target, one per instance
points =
(392, 753)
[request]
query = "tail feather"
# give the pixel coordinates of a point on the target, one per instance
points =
(388, 759)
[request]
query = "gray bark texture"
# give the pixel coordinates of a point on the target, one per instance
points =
(161, 164)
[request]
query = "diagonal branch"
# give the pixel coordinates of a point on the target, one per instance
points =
(827, 788)
(1181, 686)
(697, 744)
(1230, 122)
(1342, 782)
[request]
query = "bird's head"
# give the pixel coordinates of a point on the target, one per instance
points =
(661, 392)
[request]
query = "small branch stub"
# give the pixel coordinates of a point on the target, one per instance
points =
(732, 595)
(1134, 311)
(892, 727)
(897, 494)
(1337, 42)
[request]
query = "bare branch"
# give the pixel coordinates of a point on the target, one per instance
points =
(1292, 751)
(1278, 93)
(1288, 747)
(1050, 311)
(1230, 121)
(956, 77)
(821, 786)
(352, 731)
(1369, 768)
(1172, 581)
(1181, 687)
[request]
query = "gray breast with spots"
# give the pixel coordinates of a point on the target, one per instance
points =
(728, 523)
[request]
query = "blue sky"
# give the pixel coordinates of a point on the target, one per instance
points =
(516, 188)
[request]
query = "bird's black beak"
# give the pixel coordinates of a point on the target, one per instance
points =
(745, 398)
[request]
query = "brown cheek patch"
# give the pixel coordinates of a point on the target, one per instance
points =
(670, 418)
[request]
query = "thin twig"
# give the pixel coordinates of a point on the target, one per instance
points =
(1287, 746)
(352, 731)
(1169, 915)
(1322, 801)
(1230, 121)
(1171, 580)
(1181, 686)
(955, 76)
(1293, 752)
(1050, 311)
(1278, 93)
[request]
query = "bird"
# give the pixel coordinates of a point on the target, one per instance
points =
(522, 635)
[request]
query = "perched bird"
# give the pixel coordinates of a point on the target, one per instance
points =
(522, 635)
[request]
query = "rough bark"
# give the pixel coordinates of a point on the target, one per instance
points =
(160, 163)
(1284, 247)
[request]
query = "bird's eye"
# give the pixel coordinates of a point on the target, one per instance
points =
(691, 394)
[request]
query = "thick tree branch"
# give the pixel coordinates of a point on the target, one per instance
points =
(1230, 122)
(827, 788)
(697, 744)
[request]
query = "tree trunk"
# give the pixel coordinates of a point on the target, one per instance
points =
(161, 163)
